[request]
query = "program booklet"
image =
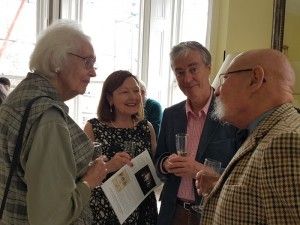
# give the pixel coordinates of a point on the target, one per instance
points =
(129, 186)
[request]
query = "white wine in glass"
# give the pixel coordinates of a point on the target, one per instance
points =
(181, 144)
(215, 167)
(130, 147)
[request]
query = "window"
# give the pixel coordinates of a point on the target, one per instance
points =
(170, 23)
(192, 26)
(159, 24)
(17, 37)
(114, 30)
(134, 35)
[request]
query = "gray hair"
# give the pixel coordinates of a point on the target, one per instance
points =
(53, 45)
(184, 48)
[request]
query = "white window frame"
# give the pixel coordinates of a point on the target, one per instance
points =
(51, 10)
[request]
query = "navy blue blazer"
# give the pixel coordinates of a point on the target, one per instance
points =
(218, 141)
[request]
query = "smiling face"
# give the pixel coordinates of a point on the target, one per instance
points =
(192, 75)
(126, 99)
(75, 76)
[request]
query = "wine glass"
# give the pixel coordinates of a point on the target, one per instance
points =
(181, 144)
(214, 167)
(97, 148)
(130, 147)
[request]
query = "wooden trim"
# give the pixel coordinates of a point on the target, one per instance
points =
(278, 24)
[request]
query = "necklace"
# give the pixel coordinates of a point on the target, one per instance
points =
(112, 124)
(116, 126)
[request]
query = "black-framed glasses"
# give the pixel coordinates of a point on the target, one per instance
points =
(192, 70)
(224, 76)
(89, 61)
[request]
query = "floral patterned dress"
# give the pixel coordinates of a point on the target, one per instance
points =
(112, 140)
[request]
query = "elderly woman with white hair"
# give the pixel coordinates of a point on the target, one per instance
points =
(54, 177)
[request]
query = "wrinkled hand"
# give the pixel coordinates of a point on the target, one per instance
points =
(206, 179)
(96, 172)
(119, 160)
(182, 166)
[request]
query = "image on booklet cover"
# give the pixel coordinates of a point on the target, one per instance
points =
(145, 179)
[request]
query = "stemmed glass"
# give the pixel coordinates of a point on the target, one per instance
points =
(97, 148)
(130, 147)
(215, 169)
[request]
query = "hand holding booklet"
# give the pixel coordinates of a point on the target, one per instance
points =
(129, 186)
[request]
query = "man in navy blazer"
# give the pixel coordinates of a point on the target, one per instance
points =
(207, 138)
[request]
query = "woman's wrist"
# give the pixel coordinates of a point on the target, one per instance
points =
(87, 184)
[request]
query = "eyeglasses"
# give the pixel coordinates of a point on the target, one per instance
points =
(224, 76)
(192, 70)
(89, 61)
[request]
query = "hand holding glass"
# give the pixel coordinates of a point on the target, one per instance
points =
(98, 152)
(181, 144)
(97, 149)
(214, 168)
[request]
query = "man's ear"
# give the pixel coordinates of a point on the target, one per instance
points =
(209, 67)
(257, 77)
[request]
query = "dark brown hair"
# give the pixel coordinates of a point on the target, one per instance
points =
(105, 112)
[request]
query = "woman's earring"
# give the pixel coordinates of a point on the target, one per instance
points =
(110, 109)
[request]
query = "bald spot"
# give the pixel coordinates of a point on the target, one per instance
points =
(278, 71)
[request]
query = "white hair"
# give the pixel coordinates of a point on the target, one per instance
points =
(53, 45)
(218, 111)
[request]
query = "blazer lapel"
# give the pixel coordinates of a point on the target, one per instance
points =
(180, 119)
(210, 126)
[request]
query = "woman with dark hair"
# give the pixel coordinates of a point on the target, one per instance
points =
(120, 119)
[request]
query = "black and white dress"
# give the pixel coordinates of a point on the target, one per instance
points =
(112, 140)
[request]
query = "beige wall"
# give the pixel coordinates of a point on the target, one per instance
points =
(240, 25)
(291, 40)
(219, 29)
